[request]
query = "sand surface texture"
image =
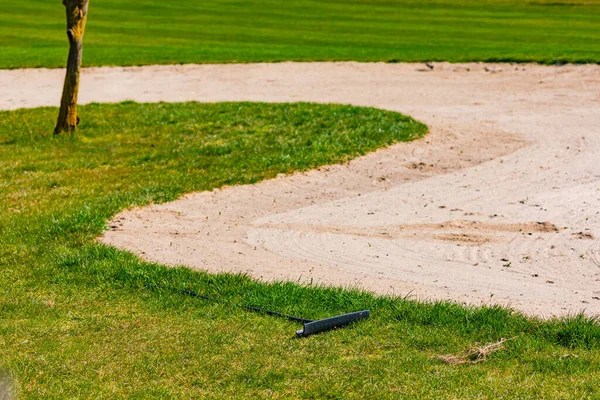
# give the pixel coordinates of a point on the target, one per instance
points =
(499, 204)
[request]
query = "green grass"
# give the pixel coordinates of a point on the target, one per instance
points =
(32, 33)
(77, 321)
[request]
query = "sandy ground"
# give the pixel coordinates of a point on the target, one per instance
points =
(499, 204)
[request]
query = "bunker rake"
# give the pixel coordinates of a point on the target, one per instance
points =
(310, 327)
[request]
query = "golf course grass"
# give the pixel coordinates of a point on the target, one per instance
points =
(32, 33)
(78, 319)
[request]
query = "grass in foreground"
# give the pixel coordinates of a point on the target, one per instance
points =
(32, 33)
(76, 319)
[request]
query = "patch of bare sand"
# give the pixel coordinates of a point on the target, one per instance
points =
(499, 204)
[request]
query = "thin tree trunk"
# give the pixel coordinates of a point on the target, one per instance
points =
(76, 19)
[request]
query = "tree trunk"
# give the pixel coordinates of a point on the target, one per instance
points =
(76, 19)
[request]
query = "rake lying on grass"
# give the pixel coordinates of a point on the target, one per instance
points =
(475, 354)
(310, 327)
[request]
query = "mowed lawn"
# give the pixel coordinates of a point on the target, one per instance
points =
(32, 33)
(83, 320)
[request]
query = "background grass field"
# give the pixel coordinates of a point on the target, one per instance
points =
(200, 31)
(77, 320)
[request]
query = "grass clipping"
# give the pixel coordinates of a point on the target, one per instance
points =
(475, 354)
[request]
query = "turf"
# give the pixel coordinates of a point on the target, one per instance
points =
(78, 321)
(32, 33)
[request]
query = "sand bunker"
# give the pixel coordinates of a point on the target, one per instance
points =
(499, 204)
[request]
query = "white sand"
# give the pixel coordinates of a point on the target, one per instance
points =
(502, 198)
